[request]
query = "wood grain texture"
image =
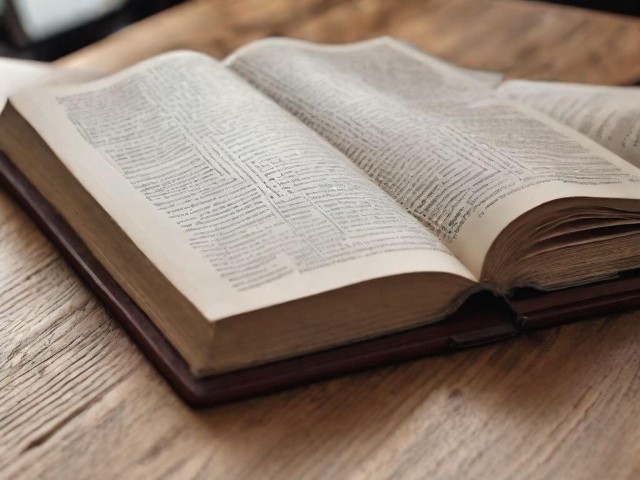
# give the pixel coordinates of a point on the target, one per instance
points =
(521, 39)
(77, 400)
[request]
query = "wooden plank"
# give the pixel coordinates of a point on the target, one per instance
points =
(59, 350)
(78, 400)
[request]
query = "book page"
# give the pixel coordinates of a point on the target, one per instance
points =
(239, 204)
(460, 160)
(484, 78)
(608, 115)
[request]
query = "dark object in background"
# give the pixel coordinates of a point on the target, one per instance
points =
(625, 7)
(28, 33)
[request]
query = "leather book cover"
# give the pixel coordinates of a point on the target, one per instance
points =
(482, 319)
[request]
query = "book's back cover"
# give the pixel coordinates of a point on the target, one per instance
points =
(482, 319)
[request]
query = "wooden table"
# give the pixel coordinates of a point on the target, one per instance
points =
(78, 400)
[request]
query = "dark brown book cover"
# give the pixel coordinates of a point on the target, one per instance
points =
(482, 319)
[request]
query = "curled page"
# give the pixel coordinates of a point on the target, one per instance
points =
(608, 115)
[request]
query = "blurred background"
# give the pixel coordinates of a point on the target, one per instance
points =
(49, 29)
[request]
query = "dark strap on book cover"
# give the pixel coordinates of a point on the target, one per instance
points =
(536, 309)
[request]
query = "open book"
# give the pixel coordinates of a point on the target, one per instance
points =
(296, 197)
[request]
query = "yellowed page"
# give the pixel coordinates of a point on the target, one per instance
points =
(462, 161)
(239, 204)
(608, 115)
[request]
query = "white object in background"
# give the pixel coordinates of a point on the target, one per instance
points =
(41, 19)
(17, 75)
